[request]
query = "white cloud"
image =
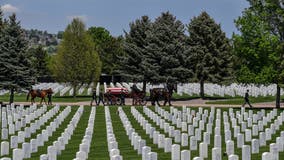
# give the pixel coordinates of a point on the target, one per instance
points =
(8, 8)
(81, 17)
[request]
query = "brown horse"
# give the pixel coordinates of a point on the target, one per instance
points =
(39, 93)
(157, 94)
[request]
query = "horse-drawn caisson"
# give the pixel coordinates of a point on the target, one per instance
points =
(117, 95)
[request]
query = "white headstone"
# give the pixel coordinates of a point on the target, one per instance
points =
(233, 157)
(81, 155)
(230, 147)
(14, 142)
(246, 154)
(267, 156)
(18, 154)
(116, 157)
(262, 139)
(185, 155)
(175, 152)
(217, 141)
(255, 146)
(247, 135)
(193, 143)
(274, 151)
(240, 140)
(177, 136)
(27, 150)
(216, 154)
(168, 145)
(51, 152)
(141, 144)
(203, 150)
(152, 156)
(184, 139)
(4, 134)
(4, 148)
(145, 151)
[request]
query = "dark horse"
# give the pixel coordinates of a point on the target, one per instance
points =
(39, 93)
(157, 94)
(138, 97)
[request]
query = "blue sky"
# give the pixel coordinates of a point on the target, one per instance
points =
(115, 15)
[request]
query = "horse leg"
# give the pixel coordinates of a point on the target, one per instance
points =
(41, 101)
(44, 101)
(157, 100)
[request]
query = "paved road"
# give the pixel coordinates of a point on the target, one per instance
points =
(194, 102)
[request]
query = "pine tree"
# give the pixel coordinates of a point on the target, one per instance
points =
(209, 51)
(166, 59)
(135, 46)
(77, 60)
(15, 67)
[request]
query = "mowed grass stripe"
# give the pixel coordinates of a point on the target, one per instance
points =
(74, 143)
(142, 133)
(124, 144)
(98, 150)
(55, 135)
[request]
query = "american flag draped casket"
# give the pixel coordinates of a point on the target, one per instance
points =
(117, 90)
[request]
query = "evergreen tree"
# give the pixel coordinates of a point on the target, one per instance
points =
(77, 60)
(133, 64)
(15, 67)
(166, 59)
(209, 51)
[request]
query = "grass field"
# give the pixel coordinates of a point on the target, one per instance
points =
(99, 151)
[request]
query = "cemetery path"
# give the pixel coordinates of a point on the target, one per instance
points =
(194, 102)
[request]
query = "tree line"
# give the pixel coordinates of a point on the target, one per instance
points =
(165, 49)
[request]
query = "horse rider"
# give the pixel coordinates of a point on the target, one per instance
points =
(135, 88)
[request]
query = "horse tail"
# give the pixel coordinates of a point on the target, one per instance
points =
(28, 95)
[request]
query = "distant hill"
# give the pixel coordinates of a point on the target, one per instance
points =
(48, 40)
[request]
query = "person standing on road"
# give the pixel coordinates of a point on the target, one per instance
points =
(122, 97)
(247, 99)
(101, 98)
(94, 97)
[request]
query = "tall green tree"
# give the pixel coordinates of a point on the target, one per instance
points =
(166, 59)
(133, 65)
(109, 48)
(261, 43)
(15, 67)
(77, 60)
(209, 51)
(39, 58)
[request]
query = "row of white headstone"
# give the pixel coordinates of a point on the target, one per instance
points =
(27, 131)
(137, 142)
(161, 140)
(33, 144)
(85, 145)
(114, 152)
(248, 116)
(59, 145)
